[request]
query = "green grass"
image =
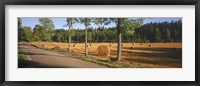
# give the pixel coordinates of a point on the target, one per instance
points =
(21, 55)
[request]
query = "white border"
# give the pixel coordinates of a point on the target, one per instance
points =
(187, 73)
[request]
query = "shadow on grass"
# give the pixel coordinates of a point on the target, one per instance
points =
(166, 56)
(163, 53)
(167, 50)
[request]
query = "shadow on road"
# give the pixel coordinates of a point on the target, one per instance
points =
(32, 64)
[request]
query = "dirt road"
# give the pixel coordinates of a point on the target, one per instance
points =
(38, 58)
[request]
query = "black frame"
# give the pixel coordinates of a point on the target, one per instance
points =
(99, 2)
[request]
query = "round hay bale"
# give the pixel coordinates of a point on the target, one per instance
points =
(141, 44)
(74, 45)
(110, 44)
(150, 45)
(90, 44)
(133, 44)
(44, 45)
(122, 45)
(103, 51)
(132, 47)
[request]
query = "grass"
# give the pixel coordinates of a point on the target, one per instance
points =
(22, 59)
(21, 55)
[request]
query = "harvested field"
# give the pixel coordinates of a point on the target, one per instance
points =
(164, 55)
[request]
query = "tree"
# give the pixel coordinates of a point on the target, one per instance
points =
(38, 33)
(48, 26)
(59, 35)
(167, 35)
(20, 30)
(156, 32)
(126, 24)
(70, 22)
(119, 29)
(86, 22)
(102, 21)
(27, 34)
(157, 35)
(129, 26)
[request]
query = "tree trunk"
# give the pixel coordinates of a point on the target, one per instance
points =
(86, 49)
(69, 44)
(119, 27)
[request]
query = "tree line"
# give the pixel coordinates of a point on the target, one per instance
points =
(151, 32)
(126, 30)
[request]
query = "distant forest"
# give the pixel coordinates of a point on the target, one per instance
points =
(151, 32)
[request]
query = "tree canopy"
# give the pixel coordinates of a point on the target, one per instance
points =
(133, 31)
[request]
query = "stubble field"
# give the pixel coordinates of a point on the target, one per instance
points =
(162, 55)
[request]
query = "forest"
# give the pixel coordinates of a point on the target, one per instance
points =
(150, 32)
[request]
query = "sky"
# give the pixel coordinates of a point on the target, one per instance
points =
(60, 22)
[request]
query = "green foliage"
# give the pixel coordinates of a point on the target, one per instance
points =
(47, 28)
(161, 32)
(19, 23)
(38, 33)
(20, 30)
(132, 31)
(102, 21)
(60, 35)
(26, 34)
(129, 27)
(47, 23)
(86, 21)
(158, 35)
(167, 35)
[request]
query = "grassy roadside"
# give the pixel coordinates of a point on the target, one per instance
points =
(22, 59)
(21, 55)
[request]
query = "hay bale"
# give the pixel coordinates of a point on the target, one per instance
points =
(74, 45)
(141, 44)
(110, 44)
(133, 44)
(122, 45)
(103, 51)
(150, 45)
(90, 44)
(132, 47)
(44, 45)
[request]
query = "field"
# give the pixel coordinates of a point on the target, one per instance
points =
(162, 55)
